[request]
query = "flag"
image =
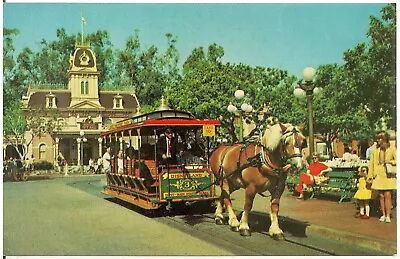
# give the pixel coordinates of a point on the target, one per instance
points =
(83, 20)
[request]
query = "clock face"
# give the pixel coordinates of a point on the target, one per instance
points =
(84, 58)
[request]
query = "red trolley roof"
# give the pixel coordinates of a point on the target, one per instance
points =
(161, 119)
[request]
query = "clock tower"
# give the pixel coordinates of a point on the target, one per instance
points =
(83, 79)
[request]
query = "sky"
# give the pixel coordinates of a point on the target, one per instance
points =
(288, 36)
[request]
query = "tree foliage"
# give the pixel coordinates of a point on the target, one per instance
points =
(148, 71)
(208, 86)
(11, 83)
(359, 93)
(355, 95)
(370, 69)
(21, 128)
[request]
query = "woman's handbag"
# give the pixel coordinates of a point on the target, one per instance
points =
(391, 171)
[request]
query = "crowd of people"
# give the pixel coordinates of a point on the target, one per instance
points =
(379, 177)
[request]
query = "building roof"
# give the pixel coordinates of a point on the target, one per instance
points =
(37, 98)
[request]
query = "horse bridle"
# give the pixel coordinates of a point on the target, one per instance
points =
(294, 132)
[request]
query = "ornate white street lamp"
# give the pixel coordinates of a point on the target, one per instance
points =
(244, 108)
(307, 89)
(81, 140)
(100, 140)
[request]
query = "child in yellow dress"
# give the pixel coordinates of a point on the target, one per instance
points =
(364, 193)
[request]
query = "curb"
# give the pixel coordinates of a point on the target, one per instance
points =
(261, 220)
(354, 239)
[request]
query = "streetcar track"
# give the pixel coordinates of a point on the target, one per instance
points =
(227, 242)
(202, 226)
(308, 246)
(233, 242)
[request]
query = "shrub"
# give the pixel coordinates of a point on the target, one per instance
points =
(43, 165)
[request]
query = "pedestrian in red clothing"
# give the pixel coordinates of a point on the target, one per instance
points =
(315, 173)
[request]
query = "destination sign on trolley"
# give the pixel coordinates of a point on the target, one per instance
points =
(208, 130)
(119, 124)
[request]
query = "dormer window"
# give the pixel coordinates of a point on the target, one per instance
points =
(117, 102)
(51, 101)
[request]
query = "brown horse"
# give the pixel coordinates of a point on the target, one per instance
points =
(256, 167)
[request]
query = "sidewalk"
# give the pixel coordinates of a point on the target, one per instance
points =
(328, 218)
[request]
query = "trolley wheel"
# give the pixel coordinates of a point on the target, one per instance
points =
(205, 207)
(211, 207)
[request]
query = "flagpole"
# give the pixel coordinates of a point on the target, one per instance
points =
(82, 29)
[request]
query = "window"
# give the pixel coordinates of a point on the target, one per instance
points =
(82, 87)
(42, 151)
(117, 102)
(51, 101)
(87, 87)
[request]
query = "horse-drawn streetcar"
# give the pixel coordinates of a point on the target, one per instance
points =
(144, 173)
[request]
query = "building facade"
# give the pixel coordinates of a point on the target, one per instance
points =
(79, 112)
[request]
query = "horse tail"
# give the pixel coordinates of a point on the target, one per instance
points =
(220, 176)
(216, 161)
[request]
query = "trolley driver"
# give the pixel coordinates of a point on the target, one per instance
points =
(166, 148)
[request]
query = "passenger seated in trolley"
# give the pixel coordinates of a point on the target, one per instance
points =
(191, 154)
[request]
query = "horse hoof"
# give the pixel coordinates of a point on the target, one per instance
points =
(245, 232)
(278, 237)
(219, 221)
(235, 229)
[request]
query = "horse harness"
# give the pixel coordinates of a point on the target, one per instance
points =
(260, 160)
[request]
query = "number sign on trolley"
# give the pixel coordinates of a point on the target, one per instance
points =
(208, 130)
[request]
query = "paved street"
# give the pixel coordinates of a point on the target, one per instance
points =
(70, 216)
(51, 217)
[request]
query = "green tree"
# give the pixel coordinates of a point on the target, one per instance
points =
(169, 62)
(20, 128)
(335, 113)
(354, 97)
(208, 86)
(370, 69)
(103, 49)
(127, 65)
(148, 71)
(11, 91)
(51, 62)
(357, 94)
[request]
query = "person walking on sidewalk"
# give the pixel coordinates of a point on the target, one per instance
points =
(99, 167)
(364, 193)
(315, 173)
(382, 168)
